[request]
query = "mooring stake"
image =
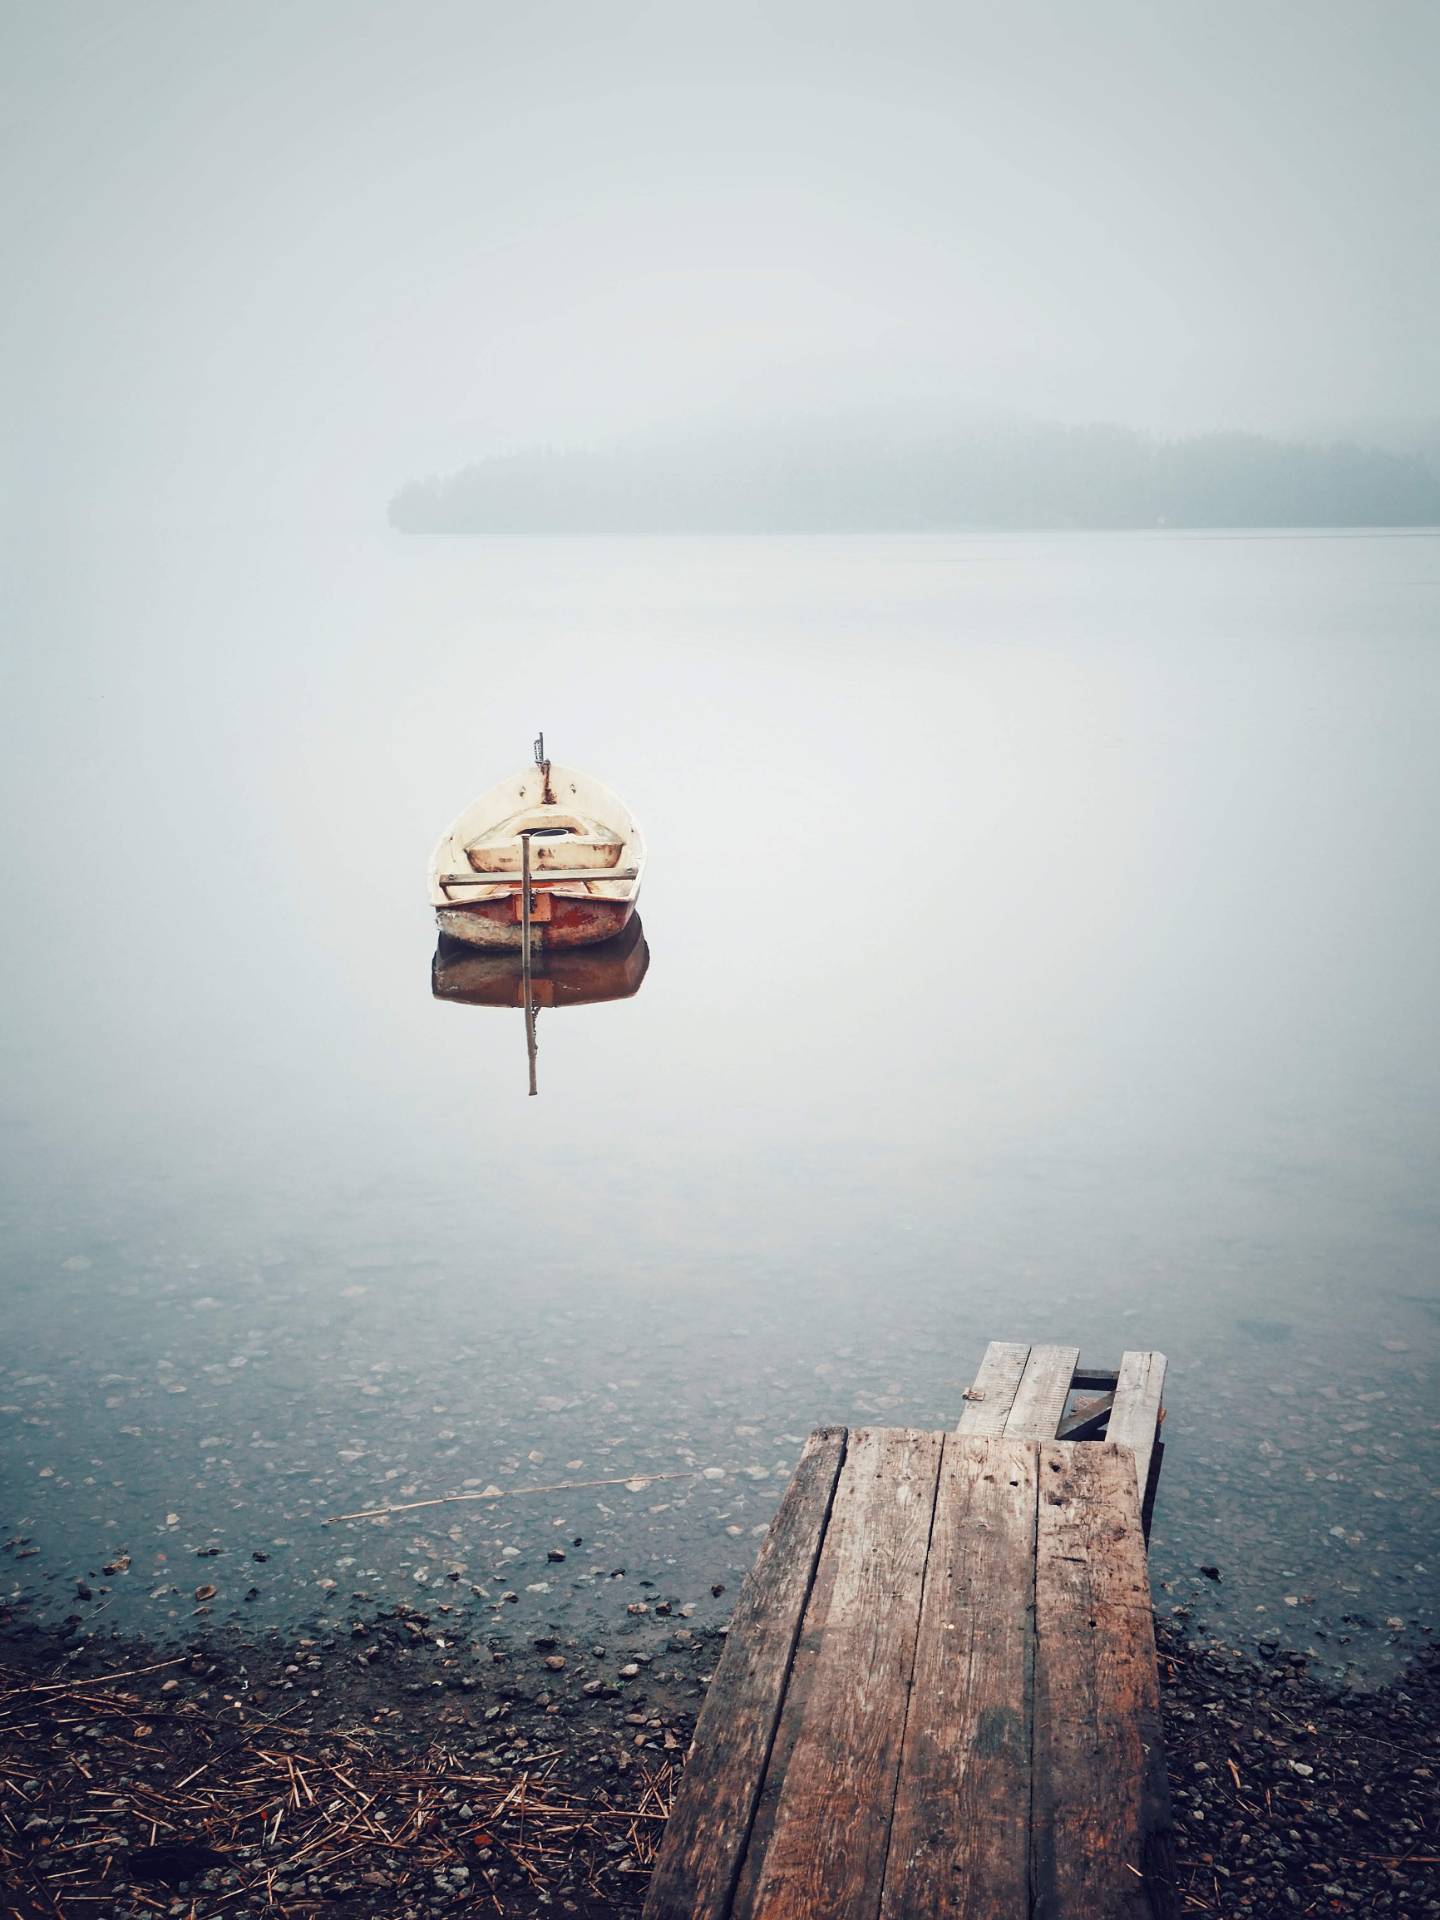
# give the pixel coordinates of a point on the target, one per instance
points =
(525, 955)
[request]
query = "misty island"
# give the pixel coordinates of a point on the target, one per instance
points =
(1007, 477)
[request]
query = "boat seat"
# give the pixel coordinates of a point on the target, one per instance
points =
(564, 852)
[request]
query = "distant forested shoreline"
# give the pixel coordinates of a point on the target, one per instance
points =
(1012, 477)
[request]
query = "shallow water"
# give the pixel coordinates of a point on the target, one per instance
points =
(1042, 947)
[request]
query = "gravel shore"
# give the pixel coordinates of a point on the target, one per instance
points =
(1289, 1797)
(410, 1769)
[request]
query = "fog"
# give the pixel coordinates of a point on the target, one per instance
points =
(1040, 944)
(274, 260)
(1039, 920)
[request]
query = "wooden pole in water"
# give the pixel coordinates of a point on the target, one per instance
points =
(525, 938)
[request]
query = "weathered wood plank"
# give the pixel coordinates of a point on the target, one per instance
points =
(960, 1833)
(821, 1831)
(988, 1402)
(708, 1828)
(1100, 1815)
(1087, 1419)
(1135, 1418)
(1044, 1389)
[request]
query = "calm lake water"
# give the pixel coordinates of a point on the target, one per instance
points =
(1042, 939)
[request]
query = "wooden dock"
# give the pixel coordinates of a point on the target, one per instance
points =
(938, 1695)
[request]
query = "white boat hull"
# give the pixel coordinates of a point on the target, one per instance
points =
(587, 861)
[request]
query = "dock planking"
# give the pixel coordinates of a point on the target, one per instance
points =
(695, 1879)
(1044, 1388)
(1100, 1810)
(938, 1695)
(989, 1401)
(1025, 1392)
(821, 1833)
(969, 1732)
(1136, 1417)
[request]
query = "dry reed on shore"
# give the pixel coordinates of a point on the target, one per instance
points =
(112, 1797)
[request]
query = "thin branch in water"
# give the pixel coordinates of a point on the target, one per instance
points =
(637, 1482)
(75, 1686)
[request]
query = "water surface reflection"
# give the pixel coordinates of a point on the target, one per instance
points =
(559, 977)
(566, 977)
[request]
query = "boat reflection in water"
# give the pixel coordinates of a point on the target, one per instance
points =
(565, 977)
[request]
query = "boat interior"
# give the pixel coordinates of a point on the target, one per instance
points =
(559, 841)
(581, 839)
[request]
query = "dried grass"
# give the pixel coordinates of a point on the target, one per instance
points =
(92, 1773)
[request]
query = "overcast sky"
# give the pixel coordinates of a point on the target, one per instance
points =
(288, 253)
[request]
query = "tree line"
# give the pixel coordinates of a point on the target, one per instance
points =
(1010, 477)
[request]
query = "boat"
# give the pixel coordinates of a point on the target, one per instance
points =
(582, 851)
(571, 977)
